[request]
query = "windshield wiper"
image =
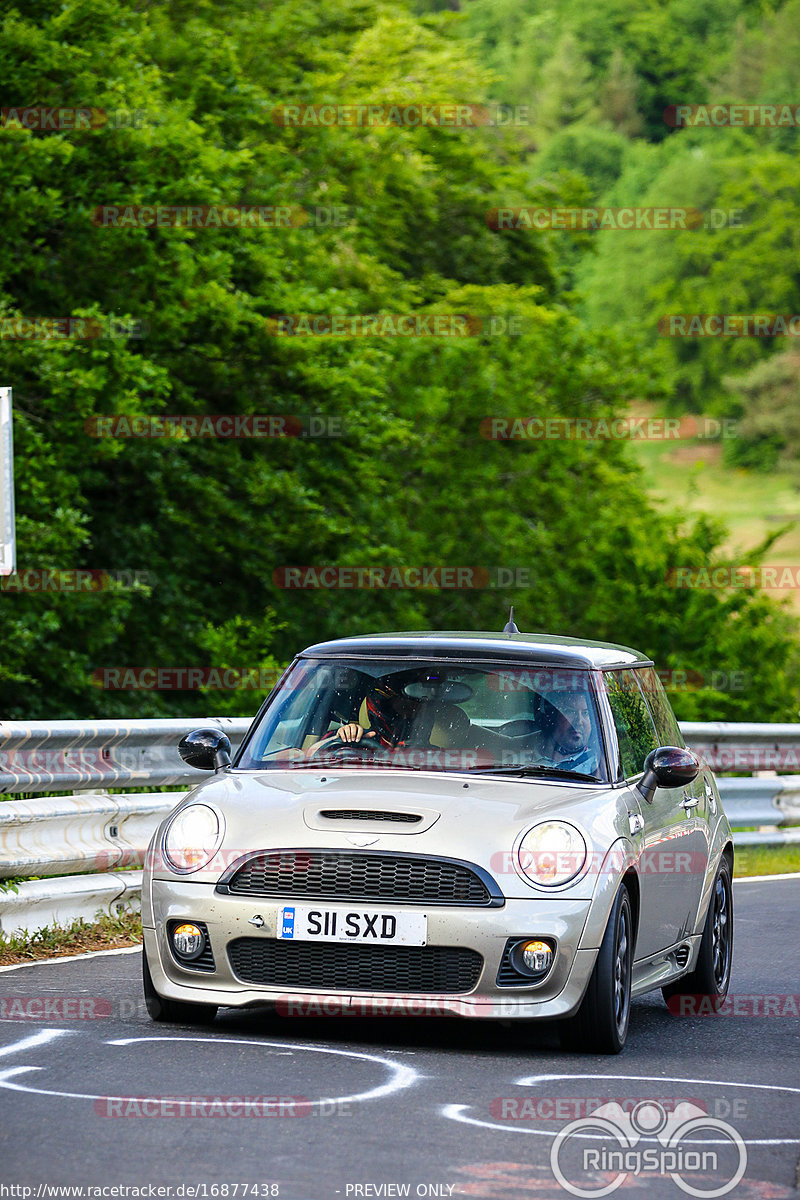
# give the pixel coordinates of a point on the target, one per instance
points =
(531, 769)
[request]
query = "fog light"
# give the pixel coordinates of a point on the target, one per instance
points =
(188, 941)
(537, 956)
(532, 960)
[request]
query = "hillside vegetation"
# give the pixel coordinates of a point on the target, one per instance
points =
(407, 477)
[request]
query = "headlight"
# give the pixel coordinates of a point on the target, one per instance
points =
(193, 838)
(552, 853)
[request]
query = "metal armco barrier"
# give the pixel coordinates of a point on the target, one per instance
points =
(742, 746)
(81, 842)
(66, 835)
(68, 755)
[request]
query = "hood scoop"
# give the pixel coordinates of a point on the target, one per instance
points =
(369, 814)
(379, 821)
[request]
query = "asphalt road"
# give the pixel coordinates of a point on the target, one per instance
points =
(93, 1095)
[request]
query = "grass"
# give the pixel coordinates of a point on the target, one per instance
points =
(55, 941)
(765, 860)
(689, 473)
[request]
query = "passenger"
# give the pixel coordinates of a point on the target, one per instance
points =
(566, 737)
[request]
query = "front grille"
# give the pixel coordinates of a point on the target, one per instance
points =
(271, 962)
(367, 814)
(205, 961)
(371, 875)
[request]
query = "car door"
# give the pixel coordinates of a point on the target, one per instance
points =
(663, 840)
(696, 802)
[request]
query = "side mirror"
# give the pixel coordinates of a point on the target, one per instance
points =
(668, 767)
(206, 749)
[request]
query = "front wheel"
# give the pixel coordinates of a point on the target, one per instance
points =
(177, 1011)
(600, 1025)
(711, 977)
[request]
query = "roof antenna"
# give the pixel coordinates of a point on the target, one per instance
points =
(510, 627)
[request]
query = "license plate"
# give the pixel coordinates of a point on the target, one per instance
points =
(304, 923)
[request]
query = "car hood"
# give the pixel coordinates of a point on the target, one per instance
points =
(474, 818)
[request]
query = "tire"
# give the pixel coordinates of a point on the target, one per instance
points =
(712, 975)
(178, 1011)
(600, 1025)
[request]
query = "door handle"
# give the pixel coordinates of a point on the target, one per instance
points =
(710, 797)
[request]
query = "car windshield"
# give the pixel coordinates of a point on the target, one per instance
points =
(429, 715)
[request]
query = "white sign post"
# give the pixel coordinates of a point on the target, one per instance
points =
(8, 537)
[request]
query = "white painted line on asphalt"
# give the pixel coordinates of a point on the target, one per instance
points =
(766, 878)
(532, 1080)
(44, 962)
(401, 1076)
(35, 1039)
(457, 1112)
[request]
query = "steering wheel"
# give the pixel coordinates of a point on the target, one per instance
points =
(521, 727)
(333, 746)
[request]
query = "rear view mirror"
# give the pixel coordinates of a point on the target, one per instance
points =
(668, 767)
(206, 749)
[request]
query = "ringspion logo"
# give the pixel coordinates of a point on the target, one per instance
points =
(594, 1155)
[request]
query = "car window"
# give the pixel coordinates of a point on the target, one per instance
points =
(667, 728)
(430, 714)
(635, 730)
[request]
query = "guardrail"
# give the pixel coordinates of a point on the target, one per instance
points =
(85, 844)
(72, 755)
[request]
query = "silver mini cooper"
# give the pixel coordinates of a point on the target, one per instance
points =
(488, 825)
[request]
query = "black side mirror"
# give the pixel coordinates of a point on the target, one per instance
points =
(668, 767)
(206, 749)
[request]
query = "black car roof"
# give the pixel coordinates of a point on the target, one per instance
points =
(541, 649)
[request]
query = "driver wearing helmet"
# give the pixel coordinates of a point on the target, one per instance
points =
(391, 718)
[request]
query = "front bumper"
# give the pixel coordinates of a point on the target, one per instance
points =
(484, 930)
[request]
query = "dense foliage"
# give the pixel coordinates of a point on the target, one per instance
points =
(409, 479)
